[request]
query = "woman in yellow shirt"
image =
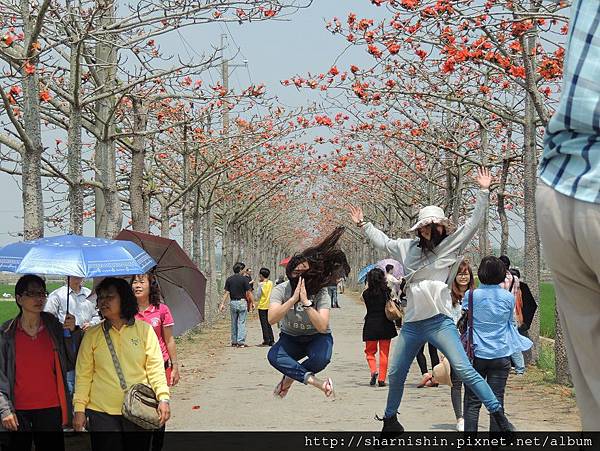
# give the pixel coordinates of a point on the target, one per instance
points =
(98, 395)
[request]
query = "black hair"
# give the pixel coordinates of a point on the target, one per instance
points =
(436, 238)
(377, 283)
(264, 272)
(515, 272)
(23, 283)
(129, 305)
(238, 267)
(155, 294)
(388, 268)
(491, 271)
(327, 263)
(504, 259)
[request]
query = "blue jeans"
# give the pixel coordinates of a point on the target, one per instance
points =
(333, 294)
(517, 358)
(239, 313)
(441, 332)
(285, 354)
(495, 372)
(71, 381)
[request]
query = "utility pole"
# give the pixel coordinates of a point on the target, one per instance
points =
(227, 237)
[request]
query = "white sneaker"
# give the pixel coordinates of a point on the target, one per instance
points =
(460, 425)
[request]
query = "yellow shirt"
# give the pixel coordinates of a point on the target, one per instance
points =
(265, 297)
(96, 382)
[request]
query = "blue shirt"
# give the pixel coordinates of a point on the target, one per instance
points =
(570, 162)
(494, 334)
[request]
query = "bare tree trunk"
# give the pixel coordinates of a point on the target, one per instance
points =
(165, 218)
(530, 162)
(74, 141)
(139, 219)
(484, 238)
(210, 270)
(561, 364)
(197, 234)
(109, 217)
(32, 197)
(502, 208)
(227, 242)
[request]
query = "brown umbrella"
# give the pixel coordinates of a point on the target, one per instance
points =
(182, 285)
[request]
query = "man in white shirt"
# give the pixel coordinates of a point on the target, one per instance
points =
(392, 282)
(84, 310)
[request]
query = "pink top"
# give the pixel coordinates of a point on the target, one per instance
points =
(158, 317)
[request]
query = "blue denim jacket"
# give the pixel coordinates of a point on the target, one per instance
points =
(494, 334)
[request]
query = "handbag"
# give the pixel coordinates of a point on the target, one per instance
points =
(466, 336)
(139, 404)
(393, 310)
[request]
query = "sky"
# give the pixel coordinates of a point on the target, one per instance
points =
(274, 51)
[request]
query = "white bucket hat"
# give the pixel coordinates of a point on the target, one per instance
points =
(431, 215)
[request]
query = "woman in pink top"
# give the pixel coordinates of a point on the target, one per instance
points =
(157, 314)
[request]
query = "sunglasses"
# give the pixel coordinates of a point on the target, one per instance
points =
(36, 294)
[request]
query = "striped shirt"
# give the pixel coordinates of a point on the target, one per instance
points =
(570, 162)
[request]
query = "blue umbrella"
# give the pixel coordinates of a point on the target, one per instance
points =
(74, 255)
(362, 274)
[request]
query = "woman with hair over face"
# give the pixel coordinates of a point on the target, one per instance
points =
(155, 312)
(429, 261)
(302, 306)
(35, 356)
(378, 331)
(98, 395)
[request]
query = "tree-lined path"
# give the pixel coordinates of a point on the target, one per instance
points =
(224, 389)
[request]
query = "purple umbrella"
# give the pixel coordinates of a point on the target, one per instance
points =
(398, 271)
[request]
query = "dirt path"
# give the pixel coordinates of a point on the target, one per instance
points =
(224, 388)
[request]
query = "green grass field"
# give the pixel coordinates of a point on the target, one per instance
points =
(546, 309)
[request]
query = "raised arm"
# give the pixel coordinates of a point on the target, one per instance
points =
(396, 248)
(465, 233)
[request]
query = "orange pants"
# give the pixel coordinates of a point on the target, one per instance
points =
(384, 350)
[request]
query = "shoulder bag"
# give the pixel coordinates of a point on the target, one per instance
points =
(393, 309)
(465, 326)
(139, 404)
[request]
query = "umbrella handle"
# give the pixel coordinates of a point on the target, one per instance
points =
(67, 332)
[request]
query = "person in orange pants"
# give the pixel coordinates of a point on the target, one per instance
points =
(378, 331)
(371, 351)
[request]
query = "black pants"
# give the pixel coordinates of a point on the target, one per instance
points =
(267, 330)
(115, 433)
(34, 426)
(433, 355)
(495, 372)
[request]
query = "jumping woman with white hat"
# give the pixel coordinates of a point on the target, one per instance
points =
(428, 262)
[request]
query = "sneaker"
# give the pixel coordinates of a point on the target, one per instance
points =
(381, 383)
(460, 425)
(373, 379)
